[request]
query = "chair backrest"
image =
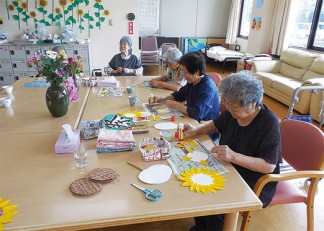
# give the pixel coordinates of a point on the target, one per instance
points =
(217, 78)
(149, 43)
(302, 145)
(166, 46)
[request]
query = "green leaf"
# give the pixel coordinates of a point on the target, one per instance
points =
(101, 7)
(97, 14)
(86, 2)
(73, 20)
(47, 23)
(70, 18)
(67, 22)
(45, 11)
(70, 7)
(58, 24)
(91, 19)
(24, 13)
(90, 26)
(35, 20)
(66, 11)
(96, 5)
(98, 24)
(24, 19)
(50, 16)
(81, 19)
(81, 27)
(40, 9)
(15, 3)
(19, 9)
(102, 19)
(86, 15)
(15, 17)
(42, 21)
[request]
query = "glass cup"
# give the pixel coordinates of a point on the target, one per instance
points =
(80, 156)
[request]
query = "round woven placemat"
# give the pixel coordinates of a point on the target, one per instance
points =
(102, 175)
(85, 187)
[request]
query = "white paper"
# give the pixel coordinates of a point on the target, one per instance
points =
(197, 156)
(156, 174)
(69, 131)
(165, 126)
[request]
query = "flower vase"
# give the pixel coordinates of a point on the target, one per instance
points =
(57, 100)
(76, 81)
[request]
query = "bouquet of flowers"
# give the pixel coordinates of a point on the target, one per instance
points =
(55, 68)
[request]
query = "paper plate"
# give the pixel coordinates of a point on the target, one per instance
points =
(156, 174)
(165, 126)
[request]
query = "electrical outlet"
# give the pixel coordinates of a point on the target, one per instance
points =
(110, 22)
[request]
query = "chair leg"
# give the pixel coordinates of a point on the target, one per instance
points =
(247, 216)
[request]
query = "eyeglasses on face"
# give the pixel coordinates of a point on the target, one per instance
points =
(230, 106)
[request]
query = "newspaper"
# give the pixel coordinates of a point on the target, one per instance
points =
(178, 165)
(160, 109)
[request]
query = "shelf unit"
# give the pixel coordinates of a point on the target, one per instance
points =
(13, 59)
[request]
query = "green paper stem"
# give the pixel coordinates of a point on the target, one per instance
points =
(35, 4)
(26, 18)
(89, 24)
(27, 7)
(72, 18)
(18, 20)
(99, 19)
(7, 9)
(78, 11)
(52, 11)
(64, 14)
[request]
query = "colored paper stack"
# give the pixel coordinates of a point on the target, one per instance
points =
(108, 82)
(115, 141)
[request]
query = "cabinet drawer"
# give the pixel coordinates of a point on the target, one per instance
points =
(17, 52)
(5, 65)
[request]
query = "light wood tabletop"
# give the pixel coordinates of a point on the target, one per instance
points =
(29, 113)
(38, 180)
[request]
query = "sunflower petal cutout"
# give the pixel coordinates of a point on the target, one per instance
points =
(6, 212)
(202, 180)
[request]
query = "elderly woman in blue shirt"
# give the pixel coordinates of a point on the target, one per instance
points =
(200, 93)
(125, 63)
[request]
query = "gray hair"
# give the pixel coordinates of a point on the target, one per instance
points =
(126, 39)
(172, 55)
(243, 87)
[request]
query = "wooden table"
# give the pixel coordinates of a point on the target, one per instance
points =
(38, 180)
(29, 113)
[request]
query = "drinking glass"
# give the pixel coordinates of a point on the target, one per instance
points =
(80, 156)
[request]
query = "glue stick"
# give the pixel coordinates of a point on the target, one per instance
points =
(180, 132)
(151, 100)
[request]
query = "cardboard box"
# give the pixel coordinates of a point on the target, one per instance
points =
(66, 145)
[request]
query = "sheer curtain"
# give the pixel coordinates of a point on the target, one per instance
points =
(233, 22)
(277, 36)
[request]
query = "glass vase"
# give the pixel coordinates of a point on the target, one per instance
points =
(57, 100)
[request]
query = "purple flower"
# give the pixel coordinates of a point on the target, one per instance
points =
(59, 73)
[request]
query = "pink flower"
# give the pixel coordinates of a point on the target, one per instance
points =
(72, 90)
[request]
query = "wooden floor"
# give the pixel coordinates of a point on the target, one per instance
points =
(274, 218)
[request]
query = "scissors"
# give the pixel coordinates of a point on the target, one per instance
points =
(151, 195)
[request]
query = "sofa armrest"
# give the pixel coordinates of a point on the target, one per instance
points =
(272, 66)
(314, 82)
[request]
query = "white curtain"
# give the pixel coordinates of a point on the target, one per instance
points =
(233, 22)
(277, 36)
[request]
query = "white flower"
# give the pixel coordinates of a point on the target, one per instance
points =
(51, 54)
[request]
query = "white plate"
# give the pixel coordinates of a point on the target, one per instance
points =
(165, 126)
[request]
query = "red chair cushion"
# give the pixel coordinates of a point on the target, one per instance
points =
(287, 192)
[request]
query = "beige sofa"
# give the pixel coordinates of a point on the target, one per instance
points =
(294, 69)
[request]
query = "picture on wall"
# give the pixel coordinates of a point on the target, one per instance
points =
(256, 23)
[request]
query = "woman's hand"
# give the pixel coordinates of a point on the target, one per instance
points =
(172, 104)
(127, 70)
(118, 70)
(159, 99)
(223, 152)
(155, 83)
(189, 130)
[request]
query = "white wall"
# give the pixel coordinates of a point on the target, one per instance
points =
(194, 18)
(104, 42)
(258, 39)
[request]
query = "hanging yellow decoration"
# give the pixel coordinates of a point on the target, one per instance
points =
(6, 212)
(202, 180)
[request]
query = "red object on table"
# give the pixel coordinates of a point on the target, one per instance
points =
(173, 118)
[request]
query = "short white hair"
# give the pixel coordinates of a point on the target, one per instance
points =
(172, 55)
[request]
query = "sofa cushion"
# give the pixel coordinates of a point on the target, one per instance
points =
(312, 75)
(318, 65)
(268, 78)
(298, 58)
(286, 85)
(292, 71)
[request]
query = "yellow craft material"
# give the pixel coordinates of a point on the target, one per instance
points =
(187, 158)
(149, 147)
(204, 162)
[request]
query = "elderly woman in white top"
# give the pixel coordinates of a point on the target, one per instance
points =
(125, 63)
(174, 79)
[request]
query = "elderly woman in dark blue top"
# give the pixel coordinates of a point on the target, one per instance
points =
(125, 63)
(249, 137)
(200, 92)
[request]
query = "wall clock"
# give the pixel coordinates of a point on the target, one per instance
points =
(130, 16)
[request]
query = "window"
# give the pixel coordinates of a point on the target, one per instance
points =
(306, 23)
(245, 19)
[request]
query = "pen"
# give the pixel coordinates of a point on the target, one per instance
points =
(135, 166)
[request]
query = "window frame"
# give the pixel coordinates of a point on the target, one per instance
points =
(240, 22)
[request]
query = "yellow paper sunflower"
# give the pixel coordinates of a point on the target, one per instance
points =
(80, 12)
(106, 12)
(135, 113)
(43, 3)
(24, 5)
(32, 14)
(63, 3)
(58, 10)
(202, 180)
(6, 212)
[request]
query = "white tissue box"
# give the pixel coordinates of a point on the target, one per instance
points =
(65, 145)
